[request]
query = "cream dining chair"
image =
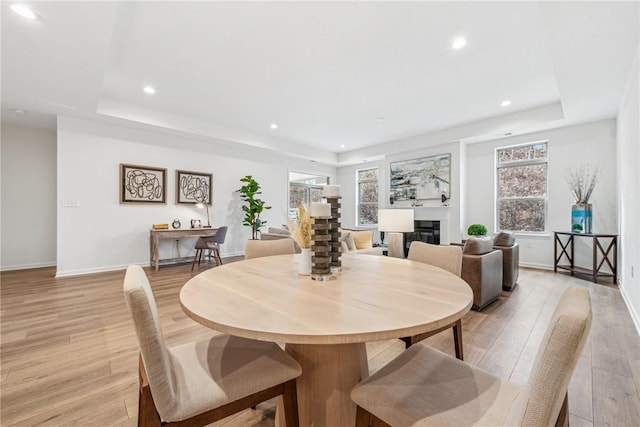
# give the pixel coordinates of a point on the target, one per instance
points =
(204, 381)
(448, 258)
(261, 248)
(425, 387)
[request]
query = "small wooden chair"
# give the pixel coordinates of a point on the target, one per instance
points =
(201, 382)
(423, 386)
(448, 258)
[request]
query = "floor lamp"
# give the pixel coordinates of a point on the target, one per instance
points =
(394, 222)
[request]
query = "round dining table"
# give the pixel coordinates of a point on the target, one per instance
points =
(325, 324)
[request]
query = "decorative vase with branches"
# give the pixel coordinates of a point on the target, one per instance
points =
(253, 206)
(582, 180)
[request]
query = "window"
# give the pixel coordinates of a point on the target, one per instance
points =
(522, 187)
(367, 197)
(304, 188)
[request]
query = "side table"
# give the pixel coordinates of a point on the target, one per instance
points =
(605, 245)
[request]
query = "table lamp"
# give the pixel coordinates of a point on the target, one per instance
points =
(205, 205)
(395, 222)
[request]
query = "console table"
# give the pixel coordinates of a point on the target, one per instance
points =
(156, 235)
(605, 245)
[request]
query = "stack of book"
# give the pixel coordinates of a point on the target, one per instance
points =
(160, 226)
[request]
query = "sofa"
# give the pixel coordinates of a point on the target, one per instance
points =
(275, 233)
(482, 270)
(506, 243)
(358, 242)
(352, 241)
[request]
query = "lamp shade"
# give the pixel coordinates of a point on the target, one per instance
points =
(395, 220)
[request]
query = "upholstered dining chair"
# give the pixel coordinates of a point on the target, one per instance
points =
(212, 244)
(448, 258)
(261, 248)
(204, 381)
(425, 387)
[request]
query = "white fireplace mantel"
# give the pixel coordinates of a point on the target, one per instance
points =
(436, 213)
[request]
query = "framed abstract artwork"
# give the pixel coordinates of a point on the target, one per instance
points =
(421, 179)
(193, 187)
(143, 184)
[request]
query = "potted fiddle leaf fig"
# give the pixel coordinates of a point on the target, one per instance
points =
(253, 206)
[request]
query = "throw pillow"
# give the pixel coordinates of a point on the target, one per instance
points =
(344, 246)
(504, 239)
(478, 246)
(363, 239)
(348, 239)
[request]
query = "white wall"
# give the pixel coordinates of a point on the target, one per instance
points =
(102, 234)
(628, 162)
(347, 180)
(587, 144)
(28, 198)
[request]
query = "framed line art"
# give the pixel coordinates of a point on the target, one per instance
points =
(193, 187)
(143, 184)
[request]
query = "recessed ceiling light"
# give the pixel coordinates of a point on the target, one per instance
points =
(342, 145)
(459, 43)
(149, 89)
(273, 126)
(380, 119)
(24, 11)
(19, 111)
(505, 103)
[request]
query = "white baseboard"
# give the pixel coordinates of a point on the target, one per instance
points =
(634, 314)
(27, 266)
(538, 266)
(104, 269)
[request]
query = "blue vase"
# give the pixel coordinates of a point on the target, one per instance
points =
(581, 218)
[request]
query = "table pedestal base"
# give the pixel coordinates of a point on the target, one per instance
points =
(329, 372)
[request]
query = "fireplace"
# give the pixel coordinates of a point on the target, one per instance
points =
(427, 231)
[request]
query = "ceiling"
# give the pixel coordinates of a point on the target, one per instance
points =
(338, 78)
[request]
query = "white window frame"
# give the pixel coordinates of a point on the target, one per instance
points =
(516, 163)
(358, 182)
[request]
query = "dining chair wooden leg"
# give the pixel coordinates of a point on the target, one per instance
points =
(563, 416)
(290, 404)
(195, 258)
(218, 256)
(147, 413)
(365, 418)
(457, 339)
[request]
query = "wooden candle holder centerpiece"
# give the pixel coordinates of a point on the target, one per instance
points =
(321, 259)
(335, 250)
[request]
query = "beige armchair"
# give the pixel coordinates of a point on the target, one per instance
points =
(200, 382)
(482, 270)
(425, 387)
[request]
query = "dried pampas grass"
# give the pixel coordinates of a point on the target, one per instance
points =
(300, 229)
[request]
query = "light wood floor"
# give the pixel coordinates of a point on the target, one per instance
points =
(69, 354)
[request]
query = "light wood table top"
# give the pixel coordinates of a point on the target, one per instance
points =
(372, 298)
